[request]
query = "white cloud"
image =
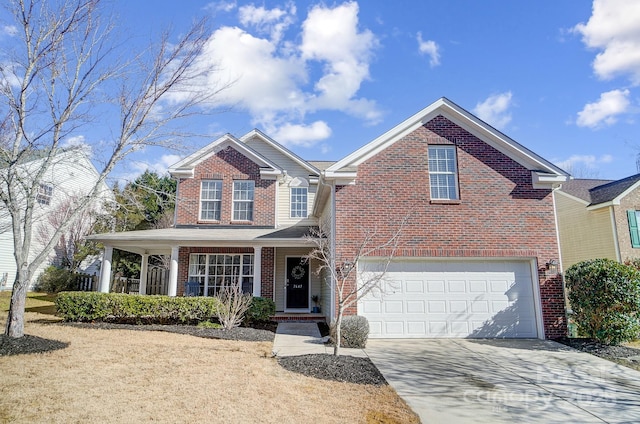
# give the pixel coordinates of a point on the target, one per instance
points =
(271, 21)
(614, 29)
(605, 110)
(137, 168)
(331, 36)
(495, 109)
(78, 141)
(221, 6)
(10, 30)
(430, 48)
(584, 166)
(270, 77)
(301, 135)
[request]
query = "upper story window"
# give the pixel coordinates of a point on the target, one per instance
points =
(299, 202)
(443, 173)
(45, 192)
(210, 200)
(243, 200)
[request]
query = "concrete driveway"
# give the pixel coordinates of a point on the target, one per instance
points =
(506, 381)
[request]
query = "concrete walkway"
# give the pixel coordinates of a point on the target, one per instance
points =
(303, 338)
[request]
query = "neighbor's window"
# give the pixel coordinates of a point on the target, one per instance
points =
(443, 173)
(243, 200)
(210, 200)
(298, 202)
(634, 218)
(45, 192)
(213, 272)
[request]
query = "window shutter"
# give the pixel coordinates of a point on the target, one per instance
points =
(633, 228)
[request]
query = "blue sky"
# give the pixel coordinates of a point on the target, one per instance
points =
(323, 79)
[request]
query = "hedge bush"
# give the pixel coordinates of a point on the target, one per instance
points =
(55, 280)
(354, 332)
(261, 310)
(129, 308)
(605, 298)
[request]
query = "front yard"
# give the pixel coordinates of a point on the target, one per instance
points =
(140, 376)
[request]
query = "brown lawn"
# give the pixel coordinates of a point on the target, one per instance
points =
(118, 376)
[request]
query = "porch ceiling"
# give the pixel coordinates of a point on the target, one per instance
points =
(160, 242)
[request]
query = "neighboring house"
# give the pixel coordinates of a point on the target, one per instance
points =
(472, 256)
(598, 219)
(71, 174)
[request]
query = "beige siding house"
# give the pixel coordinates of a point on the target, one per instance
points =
(598, 219)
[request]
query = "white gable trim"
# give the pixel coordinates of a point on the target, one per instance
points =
(572, 197)
(465, 120)
(185, 167)
(280, 148)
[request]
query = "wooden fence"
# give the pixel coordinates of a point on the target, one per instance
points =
(157, 283)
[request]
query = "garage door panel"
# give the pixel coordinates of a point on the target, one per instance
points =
(454, 299)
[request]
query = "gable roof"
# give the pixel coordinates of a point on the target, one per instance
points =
(280, 148)
(580, 188)
(600, 193)
(544, 172)
(614, 190)
(185, 167)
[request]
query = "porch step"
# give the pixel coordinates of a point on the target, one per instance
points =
(288, 317)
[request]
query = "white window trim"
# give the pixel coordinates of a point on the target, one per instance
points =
(306, 207)
(454, 173)
(200, 218)
(207, 265)
(233, 201)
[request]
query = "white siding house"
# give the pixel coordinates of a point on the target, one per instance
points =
(72, 174)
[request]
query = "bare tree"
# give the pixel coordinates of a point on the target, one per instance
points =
(340, 271)
(62, 72)
(72, 240)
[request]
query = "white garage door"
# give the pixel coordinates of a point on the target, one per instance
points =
(422, 298)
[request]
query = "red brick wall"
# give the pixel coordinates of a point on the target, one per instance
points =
(227, 165)
(629, 202)
(499, 213)
(267, 265)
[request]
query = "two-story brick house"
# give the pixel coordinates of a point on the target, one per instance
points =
(471, 260)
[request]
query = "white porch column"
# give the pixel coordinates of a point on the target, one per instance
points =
(144, 265)
(173, 271)
(105, 269)
(257, 270)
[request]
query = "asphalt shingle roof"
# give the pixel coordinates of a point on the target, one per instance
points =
(598, 191)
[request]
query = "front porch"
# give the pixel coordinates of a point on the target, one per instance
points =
(267, 263)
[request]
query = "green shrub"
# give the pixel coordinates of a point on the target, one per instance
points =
(128, 308)
(55, 280)
(261, 310)
(605, 299)
(354, 332)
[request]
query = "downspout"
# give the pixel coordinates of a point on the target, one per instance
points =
(175, 203)
(614, 227)
(567, 307)
(332, 209)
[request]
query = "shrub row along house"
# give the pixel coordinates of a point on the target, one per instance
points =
(479, 227)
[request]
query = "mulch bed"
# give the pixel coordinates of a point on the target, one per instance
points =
(347, 369)
(622, 354)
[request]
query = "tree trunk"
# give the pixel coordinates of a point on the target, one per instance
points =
(337, 341)
(15, 319)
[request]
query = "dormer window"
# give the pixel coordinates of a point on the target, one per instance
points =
(45, 192)
(243, 200)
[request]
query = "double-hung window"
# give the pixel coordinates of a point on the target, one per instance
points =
(210, 200)
(443, 173)
(243, 200)
(299, 202)
(45, 192)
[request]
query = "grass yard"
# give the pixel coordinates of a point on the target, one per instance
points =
(118, 376)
